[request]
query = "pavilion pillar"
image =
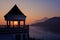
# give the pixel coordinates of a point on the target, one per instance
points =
(7, 23)
(18, 24)
(13, 24)
(24, 23)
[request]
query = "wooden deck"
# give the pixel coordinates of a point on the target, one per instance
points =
(14, 30)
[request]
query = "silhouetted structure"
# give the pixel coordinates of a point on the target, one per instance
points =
(19, 33)
(15, 15)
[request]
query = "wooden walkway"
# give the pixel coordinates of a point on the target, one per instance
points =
(14, 30)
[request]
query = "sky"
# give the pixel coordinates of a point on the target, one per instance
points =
(33, 9)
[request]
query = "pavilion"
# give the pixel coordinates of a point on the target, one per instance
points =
(15, 15)
(15, 33)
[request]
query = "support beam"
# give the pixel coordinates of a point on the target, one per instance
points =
(7, 23)
(13, 24)
(18, 24)
(24, 23)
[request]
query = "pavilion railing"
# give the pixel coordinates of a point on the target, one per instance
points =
(14, 30)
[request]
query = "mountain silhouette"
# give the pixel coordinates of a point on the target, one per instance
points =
(39, 21)
(51, 25)
(43, 19)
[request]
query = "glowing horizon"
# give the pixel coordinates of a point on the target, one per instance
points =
(33, 9)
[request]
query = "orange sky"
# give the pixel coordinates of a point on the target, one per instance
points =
(33, 9)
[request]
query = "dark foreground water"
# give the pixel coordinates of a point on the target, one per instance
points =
(39, 33)
(35, 32)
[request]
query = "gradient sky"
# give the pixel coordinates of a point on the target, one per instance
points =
(33, 9)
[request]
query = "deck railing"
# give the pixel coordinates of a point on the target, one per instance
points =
(14, 30)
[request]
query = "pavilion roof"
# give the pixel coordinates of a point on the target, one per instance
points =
(15, 11)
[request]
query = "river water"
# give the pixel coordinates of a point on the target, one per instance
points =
(39, 33)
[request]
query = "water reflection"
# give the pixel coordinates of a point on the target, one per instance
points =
(38, 32)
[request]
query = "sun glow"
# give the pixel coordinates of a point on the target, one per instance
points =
(15, 23)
